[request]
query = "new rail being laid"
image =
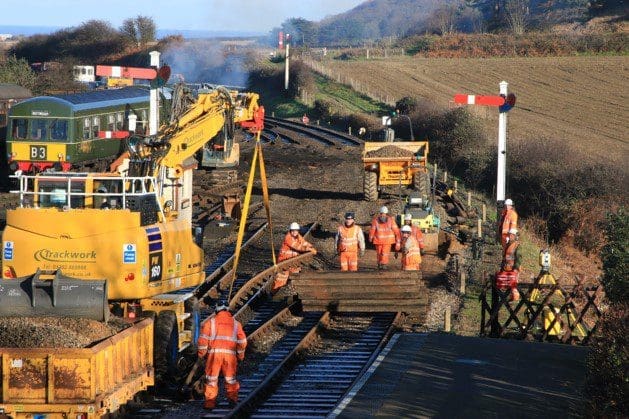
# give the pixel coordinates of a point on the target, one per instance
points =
(309, 371)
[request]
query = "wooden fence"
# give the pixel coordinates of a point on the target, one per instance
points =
(544, 312)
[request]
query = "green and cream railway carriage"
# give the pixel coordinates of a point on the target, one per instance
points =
(74, 131)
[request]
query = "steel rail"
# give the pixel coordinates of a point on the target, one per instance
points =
(273, 378)
(222, 265)
(315, 130)
(319, 379)
(261, 282)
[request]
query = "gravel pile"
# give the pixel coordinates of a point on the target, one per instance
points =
(389, 151)
(54, 332)
(440, 299)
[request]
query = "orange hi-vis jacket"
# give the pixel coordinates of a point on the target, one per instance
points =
(293, 246)
(349, 239)
(419, 236)
(411, 256)
(508, 221)
(222, 334)
(384, 233)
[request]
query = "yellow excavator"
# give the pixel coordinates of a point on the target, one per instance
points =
(87, 244)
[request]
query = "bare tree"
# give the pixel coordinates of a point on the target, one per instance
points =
(445, 18)
(518, 15)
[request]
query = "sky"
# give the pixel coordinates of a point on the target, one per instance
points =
(209, 15)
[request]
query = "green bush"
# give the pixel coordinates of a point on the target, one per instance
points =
(322, 109)
(457, 142)
(406, 105)
(614, 257)
(607, 379)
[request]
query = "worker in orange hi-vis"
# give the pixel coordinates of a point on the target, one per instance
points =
(508, 220)
(511, 260)
(384, 232)
(349, 241)
(411, 256)
(222, 343)
(293, 245)
(416, 231)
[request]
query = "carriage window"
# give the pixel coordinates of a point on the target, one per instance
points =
(19, 128)
(119, 121)
(86, 129)
(38, 129)
(111, 122)
(95, 126)
(3, 120)
(59, 130)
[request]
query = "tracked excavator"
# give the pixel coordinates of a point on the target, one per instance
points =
(91, 244)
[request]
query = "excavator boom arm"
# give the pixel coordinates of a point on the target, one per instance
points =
(206, 119)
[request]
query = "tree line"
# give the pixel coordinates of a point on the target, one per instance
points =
(90, 41)
(378, 21)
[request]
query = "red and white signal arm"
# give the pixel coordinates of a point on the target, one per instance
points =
(126, 72)
(479, 100)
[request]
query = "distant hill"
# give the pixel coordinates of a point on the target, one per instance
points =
(379, 20)
(375, 19)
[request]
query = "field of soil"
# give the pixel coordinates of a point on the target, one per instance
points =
(583, 101)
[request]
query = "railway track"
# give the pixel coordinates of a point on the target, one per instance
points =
(311, 366)
(325, 135)
(270, 135)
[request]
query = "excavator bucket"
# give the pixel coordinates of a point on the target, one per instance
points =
(368, 291)
(53, 294)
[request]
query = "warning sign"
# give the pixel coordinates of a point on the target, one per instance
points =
(128, 253)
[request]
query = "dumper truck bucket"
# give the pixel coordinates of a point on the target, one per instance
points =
(362, 291)
(50, 293)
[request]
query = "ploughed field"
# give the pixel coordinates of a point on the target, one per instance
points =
(583, 101)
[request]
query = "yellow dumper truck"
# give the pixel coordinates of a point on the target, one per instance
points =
(395, 164)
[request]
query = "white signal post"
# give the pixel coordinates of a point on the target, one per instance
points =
(286, 61)
(502, 148)
(504, 102)
(153, 103)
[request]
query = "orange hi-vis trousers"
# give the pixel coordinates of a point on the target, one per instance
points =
(349, 261)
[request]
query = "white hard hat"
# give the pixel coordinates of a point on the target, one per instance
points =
(294, 226)
(513, 231)
(508, 202)
(222, 305)
(384, 210)
(407, 229)
(408, 217)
